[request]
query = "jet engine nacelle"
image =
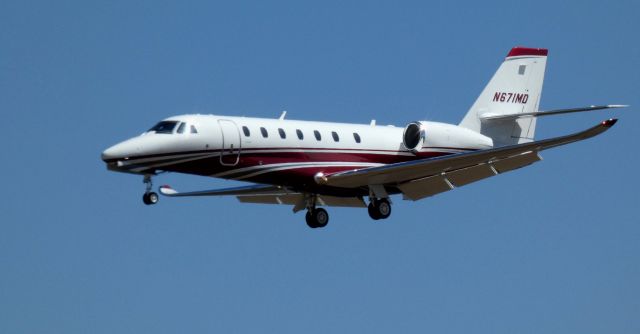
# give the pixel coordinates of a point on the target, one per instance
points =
(421, 134)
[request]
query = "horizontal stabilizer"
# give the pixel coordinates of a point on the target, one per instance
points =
(501, 117)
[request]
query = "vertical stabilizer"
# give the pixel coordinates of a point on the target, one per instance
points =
(514, 88)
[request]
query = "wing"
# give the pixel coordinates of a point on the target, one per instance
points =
(255, 189)
(422, 178)
(268, 194)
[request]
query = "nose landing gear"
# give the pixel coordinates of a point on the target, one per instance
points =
(149, 196)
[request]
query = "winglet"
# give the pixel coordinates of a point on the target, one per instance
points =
(609, 123)
(167, 190)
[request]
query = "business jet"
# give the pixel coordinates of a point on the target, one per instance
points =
(308, 165)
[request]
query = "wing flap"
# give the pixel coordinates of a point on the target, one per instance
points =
(425, 187)
(286, 199)
(295, 199)
(352, 202)
(515, 162)
(468, 175)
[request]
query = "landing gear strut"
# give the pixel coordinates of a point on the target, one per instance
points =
(379, 208)
(149, 196)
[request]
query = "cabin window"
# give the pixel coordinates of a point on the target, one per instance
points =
(193, 129)
(246, 131)
(283, 135)
(300, 135)
(335, 136)
(356, 137)
(264, 132)
(181, 127)
(317, 134)
(165, 127)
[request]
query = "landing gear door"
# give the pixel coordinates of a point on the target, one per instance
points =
(230, 154)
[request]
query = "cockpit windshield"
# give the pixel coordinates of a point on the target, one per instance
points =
(164, 127)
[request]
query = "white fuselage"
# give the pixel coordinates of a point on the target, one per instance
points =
(279, 151)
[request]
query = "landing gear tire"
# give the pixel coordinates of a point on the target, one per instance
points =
(309, 219)
(373, 212)
(317, 218)
(379, 209)
(150, 198)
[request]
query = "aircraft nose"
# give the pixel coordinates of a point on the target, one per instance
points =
(111, 153)
(118, 151)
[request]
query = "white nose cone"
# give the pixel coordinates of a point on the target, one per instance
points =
(120, 151)
(111, 153)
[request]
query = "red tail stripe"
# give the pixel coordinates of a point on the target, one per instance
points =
(523, 51)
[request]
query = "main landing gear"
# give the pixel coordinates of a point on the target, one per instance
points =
(149, 196)
(317, 217)
(379, 208)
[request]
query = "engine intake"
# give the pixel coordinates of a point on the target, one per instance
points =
(413, 136)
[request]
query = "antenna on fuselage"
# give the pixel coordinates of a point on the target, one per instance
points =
(373, 122)
(284, 113)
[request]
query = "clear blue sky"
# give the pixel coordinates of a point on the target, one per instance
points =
(554, 248)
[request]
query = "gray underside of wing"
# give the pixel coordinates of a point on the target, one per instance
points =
(299, 200)
(255, 189)
(268, 194)
(423, 178)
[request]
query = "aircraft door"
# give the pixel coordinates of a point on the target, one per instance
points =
(230, 154)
